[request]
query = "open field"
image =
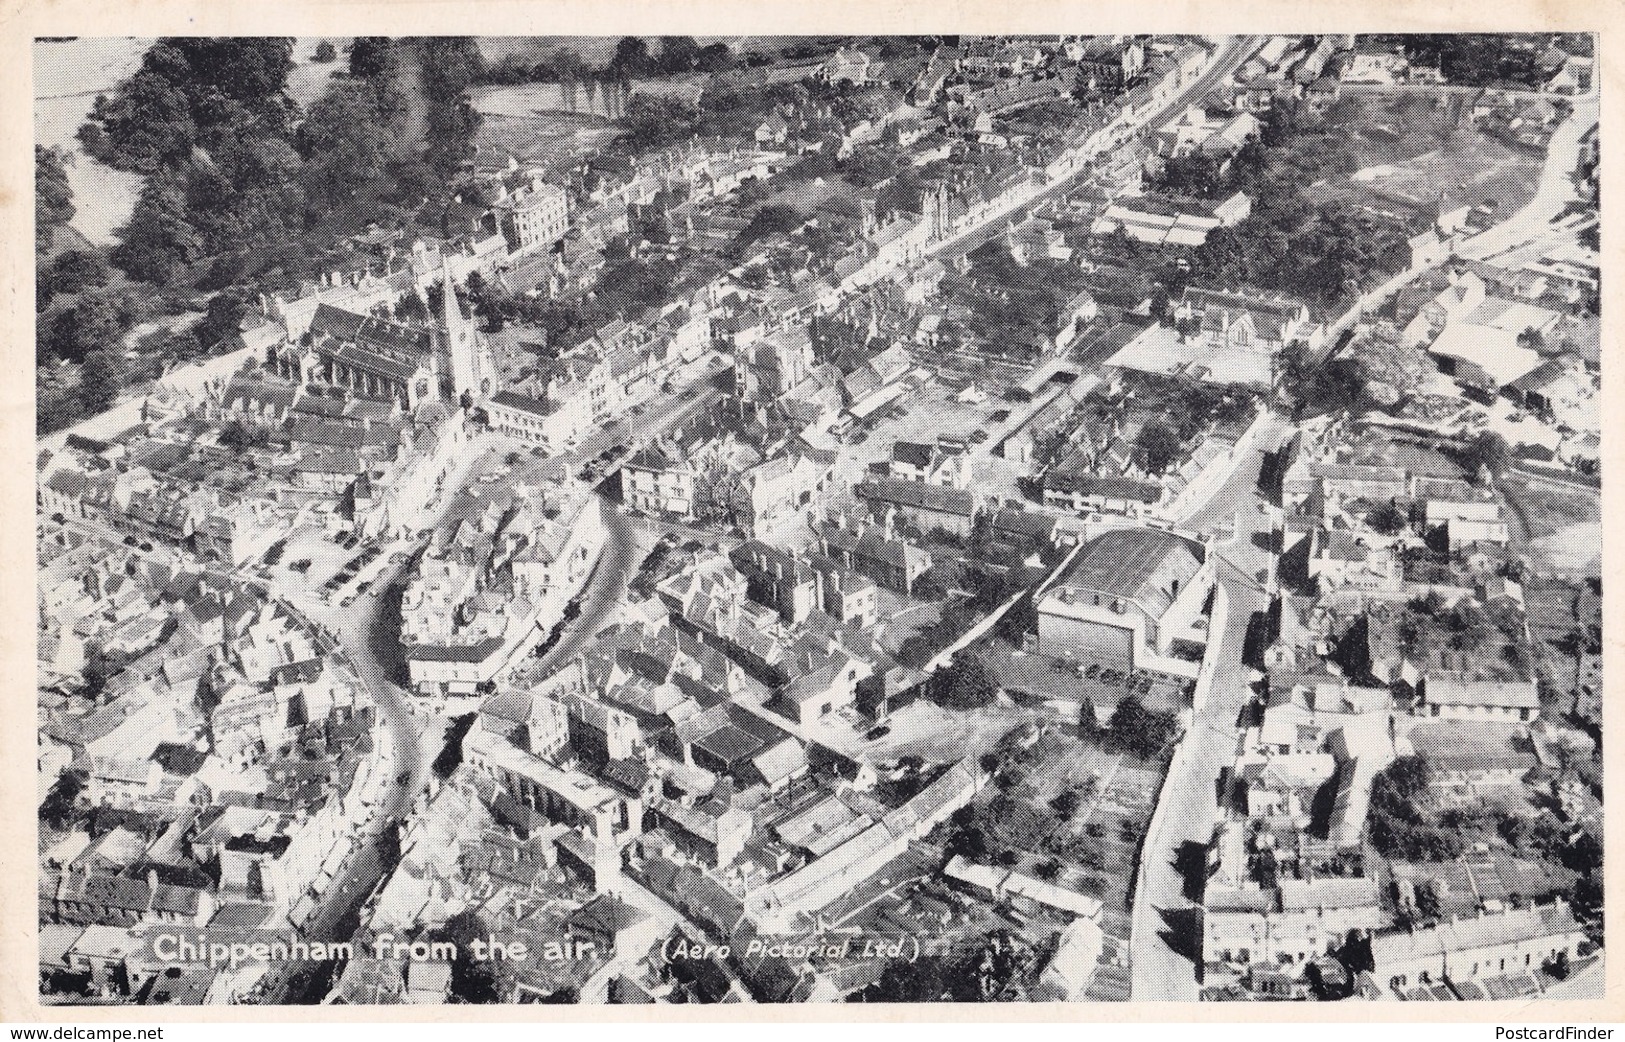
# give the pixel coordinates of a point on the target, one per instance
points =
(1561, 527)
(1413, 157)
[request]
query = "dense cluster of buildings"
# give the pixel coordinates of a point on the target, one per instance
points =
(901, 463)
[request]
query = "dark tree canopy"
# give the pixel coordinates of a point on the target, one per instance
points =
(53, 196)
(1157, 445)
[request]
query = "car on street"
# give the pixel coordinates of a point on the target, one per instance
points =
(403, 777)
(147, 547)
(301, 566)
(346, 602)
(130, 540)
(877, 732)
(689, 395)
(978, 436)
(999, 415)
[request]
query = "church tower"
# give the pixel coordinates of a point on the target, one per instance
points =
(468, 373)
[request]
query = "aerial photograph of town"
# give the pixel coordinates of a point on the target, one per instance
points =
(817, 519)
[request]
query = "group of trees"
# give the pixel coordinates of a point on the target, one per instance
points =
(1400, 824)
(677, 55)
(1140, 730)
(730, 106)
(1312, 385)
(241, 187)
(1482, 59)
(234, 165)
(981, 973)
(1319, 251)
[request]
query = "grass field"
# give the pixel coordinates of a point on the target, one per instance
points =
(1561, 528)
(1411, 152)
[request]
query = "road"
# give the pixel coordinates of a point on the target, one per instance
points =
(596, 988)
(1166, 939)
(1555, 191)
(617, 566)
(1230, 57)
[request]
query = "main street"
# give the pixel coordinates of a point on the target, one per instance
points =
(1230, 56)
(1166, 941)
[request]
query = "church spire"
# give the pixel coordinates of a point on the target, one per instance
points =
(461, 341)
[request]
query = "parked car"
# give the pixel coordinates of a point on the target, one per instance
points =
(978, 436)
(877, 732)
(130, 540)
(301, 566)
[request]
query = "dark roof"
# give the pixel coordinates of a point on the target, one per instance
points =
(913, 453)
(523, 402)
(916, 495)
(455, 653)
(1137, 564)
(378, 334)
(730, 744)
(1095, 485)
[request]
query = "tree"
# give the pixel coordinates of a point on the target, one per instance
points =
(222, 321)
(1142, 731)
(1487, 451)
(631, 56)
(472, 980)
(1388, 519)
(652, 121)
(53, 196)
(73, 271)
(678, 54)
(98, 382)
(371, 56)
(56, 811)
(159, 240)
(1088, 722)
(325, 53)
(96, 322)
(965, 683)
(1157, 445)
(903, 980)
(347, 141)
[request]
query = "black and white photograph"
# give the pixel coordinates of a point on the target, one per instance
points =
(804, 519)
